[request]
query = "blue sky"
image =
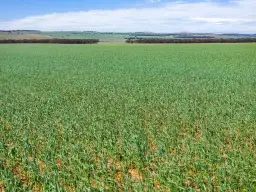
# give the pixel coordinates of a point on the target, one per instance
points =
(14, 9)
(130, 15)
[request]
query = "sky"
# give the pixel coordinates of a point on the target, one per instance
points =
(199, 16)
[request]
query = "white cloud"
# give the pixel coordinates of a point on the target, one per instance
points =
(154, 1)
(206, 16)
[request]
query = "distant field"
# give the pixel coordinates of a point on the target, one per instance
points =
(6, 35)
(63, 35)
(82, 35)
(110, 37)
(128, 117)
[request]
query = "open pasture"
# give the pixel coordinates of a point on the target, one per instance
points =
(118, 117)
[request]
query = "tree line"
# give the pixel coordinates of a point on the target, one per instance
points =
(52, 41)
(161, 40)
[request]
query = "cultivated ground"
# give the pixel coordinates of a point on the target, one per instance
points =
(21, 35)
(128, 117)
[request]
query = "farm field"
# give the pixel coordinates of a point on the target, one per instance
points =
(119, 117)
(111, 37)
(16, 36)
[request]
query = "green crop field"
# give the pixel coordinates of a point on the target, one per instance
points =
(118, 117)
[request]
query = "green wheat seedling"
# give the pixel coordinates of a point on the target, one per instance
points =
(128, 117)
